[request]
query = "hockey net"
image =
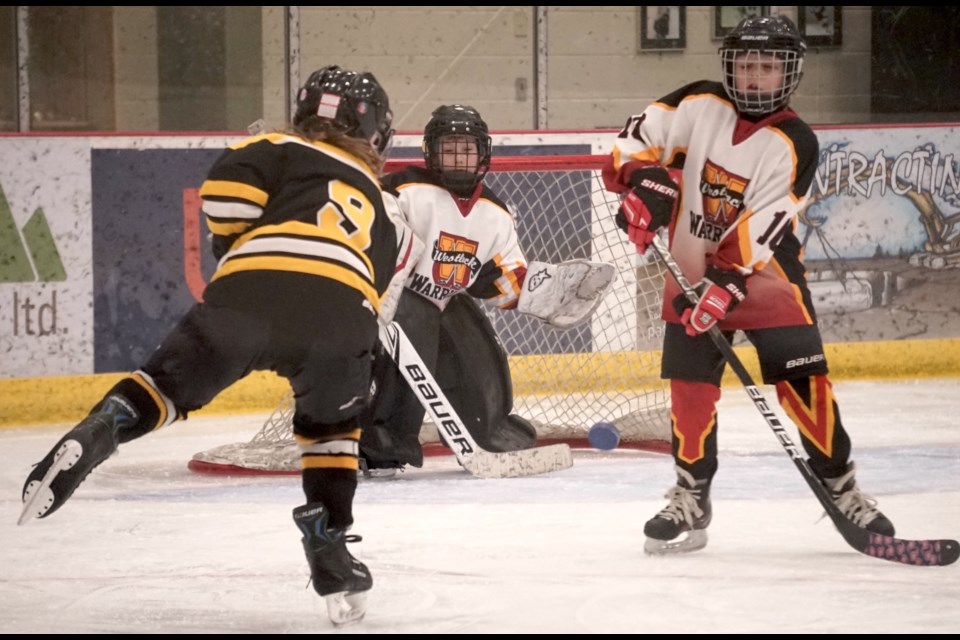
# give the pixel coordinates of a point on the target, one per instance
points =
(565, 381)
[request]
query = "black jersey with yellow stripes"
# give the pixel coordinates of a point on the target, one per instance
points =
(278, 202)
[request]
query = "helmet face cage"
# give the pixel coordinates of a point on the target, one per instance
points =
(457, 120)
(354, 101)
(756, 40)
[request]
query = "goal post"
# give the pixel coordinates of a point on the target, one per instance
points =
(564, 380)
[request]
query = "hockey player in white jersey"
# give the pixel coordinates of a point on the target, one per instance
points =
(727, 167)
(472, 251)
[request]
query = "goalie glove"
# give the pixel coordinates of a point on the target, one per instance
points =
(719, 292)
(566, 294)
(650, 205)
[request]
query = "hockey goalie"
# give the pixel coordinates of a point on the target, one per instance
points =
(471, 251)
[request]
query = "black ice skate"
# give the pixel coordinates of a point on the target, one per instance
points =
(72, 459)
(688, 512)
(340, 578)
(859, 507)
(375, 469)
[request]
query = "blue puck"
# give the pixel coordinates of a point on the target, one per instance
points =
(604, 436)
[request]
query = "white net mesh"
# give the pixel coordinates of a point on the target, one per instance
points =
(564, 380)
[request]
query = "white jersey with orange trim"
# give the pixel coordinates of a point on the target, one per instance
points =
(744, 184)
(471, 244)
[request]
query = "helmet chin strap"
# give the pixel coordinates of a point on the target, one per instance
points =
(462, 183)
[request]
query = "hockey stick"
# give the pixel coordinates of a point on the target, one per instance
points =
(915, 552)
(478, 461)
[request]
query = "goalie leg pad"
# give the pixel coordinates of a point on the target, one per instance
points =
(392, 422)
(514, 433)
(473, 372)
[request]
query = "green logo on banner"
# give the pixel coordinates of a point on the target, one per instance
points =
(42, 264)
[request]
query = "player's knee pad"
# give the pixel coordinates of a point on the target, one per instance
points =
(474, 373)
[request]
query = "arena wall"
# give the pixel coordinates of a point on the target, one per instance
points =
(102, 249)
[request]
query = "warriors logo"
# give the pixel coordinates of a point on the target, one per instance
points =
(722, 194)
(455, 261)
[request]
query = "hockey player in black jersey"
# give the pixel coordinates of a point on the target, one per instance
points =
(306, 252)
(727, 167)
(472, 252)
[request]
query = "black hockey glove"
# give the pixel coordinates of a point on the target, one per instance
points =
(650, 204)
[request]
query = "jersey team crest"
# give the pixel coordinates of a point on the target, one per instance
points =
(455, 261)
(722, 194)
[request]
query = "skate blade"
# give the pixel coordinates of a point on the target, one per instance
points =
(378, 474)
(346, 607)
(38, 497)
(693, 541)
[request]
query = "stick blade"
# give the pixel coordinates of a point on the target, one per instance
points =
(921, 553)
(518, 464)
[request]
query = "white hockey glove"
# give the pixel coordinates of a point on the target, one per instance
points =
(565, 295)
(409, 250)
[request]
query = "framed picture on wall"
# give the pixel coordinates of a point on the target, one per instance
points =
(726, 18)
(821, 26)
(663, 28)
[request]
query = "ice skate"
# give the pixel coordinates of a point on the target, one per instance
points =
(688, 512)
(859, 507)
(340, 578)
(375, 470)
(71, 460)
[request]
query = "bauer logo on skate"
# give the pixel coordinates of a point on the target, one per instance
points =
(442, 417)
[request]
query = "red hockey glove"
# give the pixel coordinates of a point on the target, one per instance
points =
(649, 205)
(720, 291)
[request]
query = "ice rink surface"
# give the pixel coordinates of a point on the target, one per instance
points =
(147, 546)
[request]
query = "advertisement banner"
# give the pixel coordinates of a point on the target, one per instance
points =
(881, 233)
(46, 319)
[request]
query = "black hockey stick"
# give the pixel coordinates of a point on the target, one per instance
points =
(473, 458)
(915, 552)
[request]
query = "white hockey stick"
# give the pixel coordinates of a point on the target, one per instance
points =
(479, 462)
